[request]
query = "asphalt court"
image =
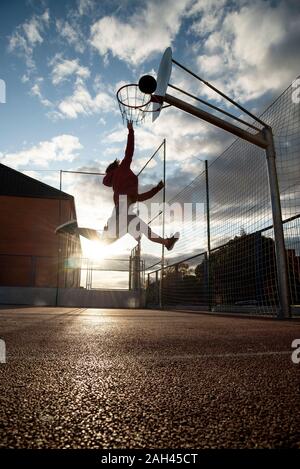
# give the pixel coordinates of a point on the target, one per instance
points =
(108, 378)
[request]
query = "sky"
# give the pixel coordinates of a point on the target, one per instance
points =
(62, 63)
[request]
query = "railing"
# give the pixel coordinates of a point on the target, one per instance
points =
(74, 272)
(237, 276)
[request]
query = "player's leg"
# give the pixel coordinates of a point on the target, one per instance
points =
(137, 227)
(89, 233)
(72, 228)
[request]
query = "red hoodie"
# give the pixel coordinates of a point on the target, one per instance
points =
(123, 180)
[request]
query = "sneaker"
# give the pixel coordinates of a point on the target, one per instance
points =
(171, 241)
(69, 227)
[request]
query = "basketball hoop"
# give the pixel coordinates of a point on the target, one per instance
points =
(134, 104)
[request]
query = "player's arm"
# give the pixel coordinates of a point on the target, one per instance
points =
(129, 147)
(149, 194)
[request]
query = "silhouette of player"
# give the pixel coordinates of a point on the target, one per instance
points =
(124, 183)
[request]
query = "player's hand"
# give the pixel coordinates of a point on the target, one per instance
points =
(160, 185)
(129, 125)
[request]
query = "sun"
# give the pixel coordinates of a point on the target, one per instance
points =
(94, 250)
(97, 251)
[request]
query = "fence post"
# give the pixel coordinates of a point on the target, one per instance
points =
(130, 272)
(138, 265)
(208, 237)
(158, 287)
(59, 241)
(161, 303)
(281, 261)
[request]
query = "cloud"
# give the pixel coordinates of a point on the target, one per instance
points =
(64, 68)
(35, 27)
(94, 201)
(24, 78)
(60, 148)
(251, 49)
(85, 6)
(71, 34)
(28, 35)
(36, 91)
(82, 103)
(151, 29)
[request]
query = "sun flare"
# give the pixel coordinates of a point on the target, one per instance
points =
(94, 250)
(97, 251)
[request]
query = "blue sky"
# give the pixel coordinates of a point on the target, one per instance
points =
(62, 62)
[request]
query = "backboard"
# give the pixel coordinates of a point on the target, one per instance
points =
(163, 78)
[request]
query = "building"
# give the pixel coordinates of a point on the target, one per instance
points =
(31, 254)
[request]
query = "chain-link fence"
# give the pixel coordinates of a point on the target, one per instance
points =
(234, 240)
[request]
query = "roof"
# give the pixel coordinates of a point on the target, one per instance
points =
(14, 183)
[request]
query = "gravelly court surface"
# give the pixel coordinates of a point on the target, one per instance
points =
(92, 378)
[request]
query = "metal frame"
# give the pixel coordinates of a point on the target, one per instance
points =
(263, 139)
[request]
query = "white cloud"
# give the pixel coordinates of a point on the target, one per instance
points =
(149, 30)
(34, 28)
(60, 148)
(211, 14)
(211, 64)
(63, 68)
(24, 78)
(28, 35)
(32, 32)
(36, 91)
(84, 6)
(201, 6)
(72, 34)
(81, 102)
(249, 50)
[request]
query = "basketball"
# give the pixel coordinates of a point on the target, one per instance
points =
(147, 84)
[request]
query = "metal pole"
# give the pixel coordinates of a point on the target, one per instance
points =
(143, 286)
(219, 92)
(258, 139)
(137, 265)
(151, 158)
(91, 275)
(207, 206)
(206, 103)
(208, 235)
(84, 172)
(163, 231)
(281, 261)
(130, 271)
(157, 289)
(59, 241)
